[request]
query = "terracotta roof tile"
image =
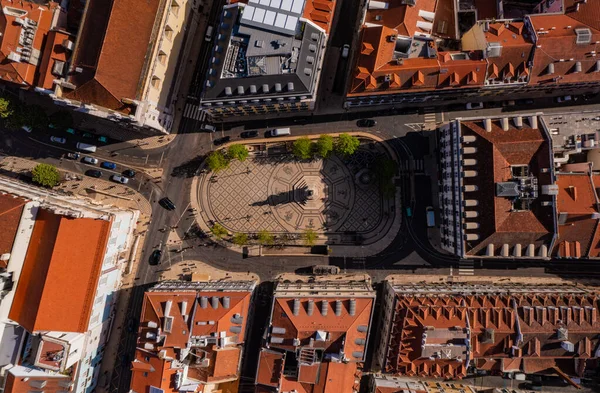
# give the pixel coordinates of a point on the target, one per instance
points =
(58, 282)
(557, 48)
(320, 12)
(117, 65)
(401, 17)
(587, 12)
(270, 368)
(11, 209)
(54, 53)
(18, 384)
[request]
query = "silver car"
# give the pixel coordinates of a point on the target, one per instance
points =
(119, 179)
(90, 160)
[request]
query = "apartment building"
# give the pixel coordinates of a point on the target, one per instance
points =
(191, 336)
(266, 58)
(428, 51)
(317, 336)
(62, 260)
(455, 329)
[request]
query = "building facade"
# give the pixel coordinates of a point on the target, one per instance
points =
(266, 58)
(317, 337)
(191, 336)
(62, 260)
(455, 330)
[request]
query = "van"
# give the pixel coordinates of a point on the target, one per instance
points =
(279, 132)
(209, 127)
(86, 147)
(209, 33)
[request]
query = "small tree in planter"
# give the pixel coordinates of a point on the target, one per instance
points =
(240, 239)
(217, 161)
(309, 237)
(45, 175)
(346, 145)
(265, 238)
(238, 152)
(302, 148)
(218, 230)
(324, 146)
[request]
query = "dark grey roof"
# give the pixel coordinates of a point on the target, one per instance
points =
(507, 189)
(303, 78)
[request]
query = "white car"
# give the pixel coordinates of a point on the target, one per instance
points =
(345, 50)
(209, 128)
(119, 179)
(474, 105)
(564, 99)
(26, 128)
(57, 139)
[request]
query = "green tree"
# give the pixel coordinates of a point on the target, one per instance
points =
(34, 116)
(61, 120)
(5, 108)
(309, 237)
(46, 175)
(218, 230)
(266, 238)
(217, 161)
(347, 144)
(302, 148)
(324, 146)
(240, 239)
(238, 152)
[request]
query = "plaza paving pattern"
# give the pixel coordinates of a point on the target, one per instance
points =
(278, 193)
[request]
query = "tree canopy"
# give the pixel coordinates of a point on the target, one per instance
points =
(46, 175)
(302, 148)
(238, 152)
(217, 161)
(347, 144)
(324, 146)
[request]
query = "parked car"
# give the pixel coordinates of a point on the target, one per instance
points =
(345, 50)
(509, 103)
(57, 139)
(275, 132)
(87, 135)
(322, 270)
(366, 123)
(220, 141)
(155, 257)
(108, 165)
(89, 160)
(564, 99)
(474, 105)
(70, 131)
(130, 173)
(249, 134)
(209, 128)
(167, 203)
(102, 139)
(73, 156)
(93, 173)
(119, 179)
(26, 128)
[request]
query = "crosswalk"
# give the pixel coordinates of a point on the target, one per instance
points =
(466, 268)
(193, 111)
(430, 115)
(418, 166)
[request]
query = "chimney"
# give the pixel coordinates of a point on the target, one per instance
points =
(226, 302)
(573, 192)
(324, 307)
(184, 308)
(488, 124)
(518, 122)
(352, 309)
(203, 302)
(214, 302)
(296, 309)
(533, 122)
(338, 308)
(505, 125)
(310, 307)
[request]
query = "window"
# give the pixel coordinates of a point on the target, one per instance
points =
(175, 8)
(145, 374)
(169, 32)
(155, 82)
(162, 57)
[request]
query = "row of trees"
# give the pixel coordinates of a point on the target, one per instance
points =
(220, 159)
(265, 238)
(345, 145)
(15, 114)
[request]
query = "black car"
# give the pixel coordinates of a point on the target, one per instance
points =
(155, 257)
(93, 173)
(249, 134)
(221, 141)
(167, 203)
(366, 123)
(73, 156)
(130, 173)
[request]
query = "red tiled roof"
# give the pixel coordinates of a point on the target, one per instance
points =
(116, 66)
(516, 51)
(148, 370)
(22, 72)
(17, 384)
(491, 320)
(11, 209)
(58, 282)
(320, 12)
(587, 12)
(401, 17)
(495, 152)
(270, 368)
(556, 46)
(53, 52)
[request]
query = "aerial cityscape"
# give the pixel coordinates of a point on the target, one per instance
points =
(299, 196)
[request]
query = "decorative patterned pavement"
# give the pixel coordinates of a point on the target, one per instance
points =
(278, 193)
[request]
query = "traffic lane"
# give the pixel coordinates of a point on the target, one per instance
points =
(82, 167)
